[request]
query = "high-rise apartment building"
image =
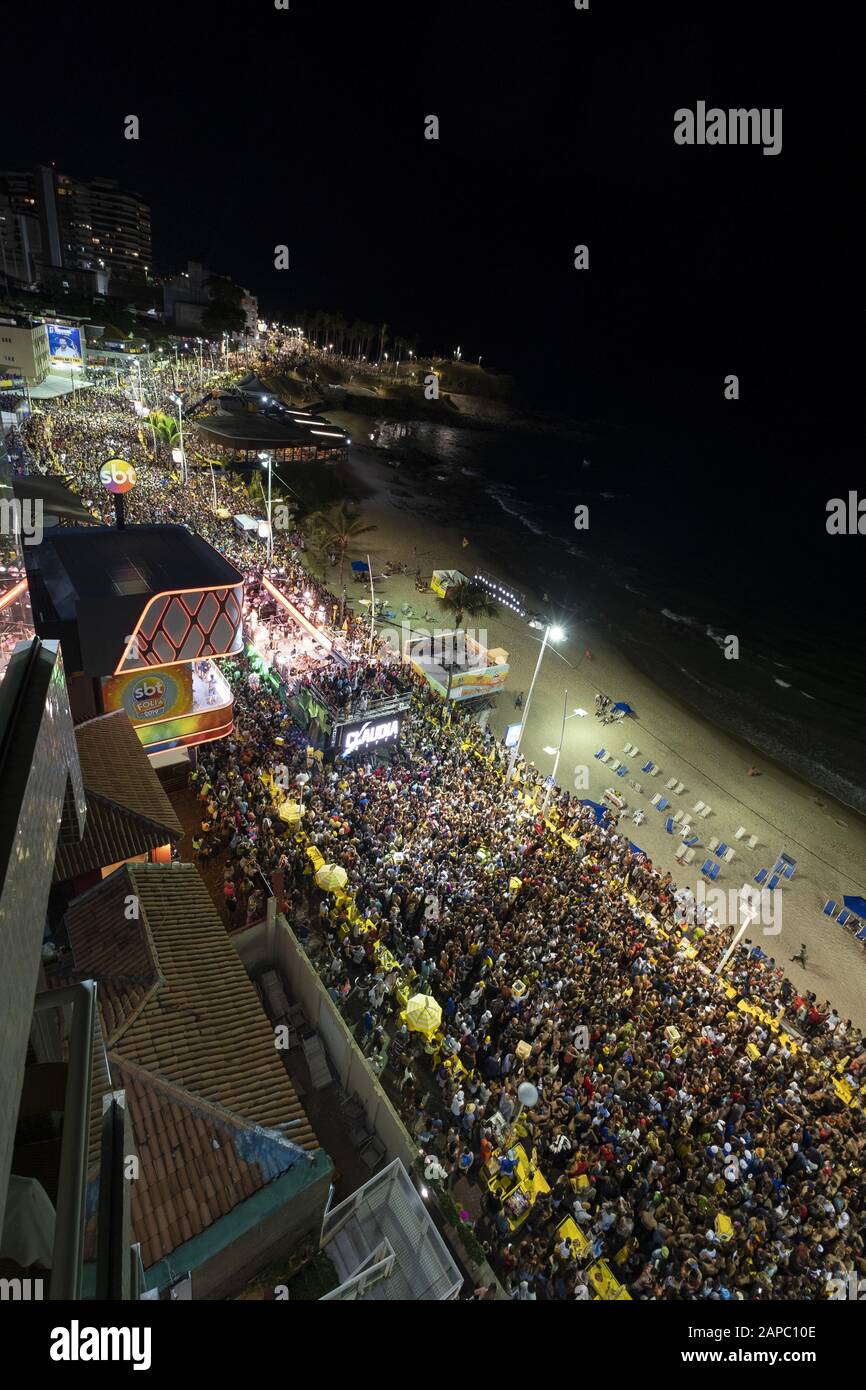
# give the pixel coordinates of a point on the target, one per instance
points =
(83, 225)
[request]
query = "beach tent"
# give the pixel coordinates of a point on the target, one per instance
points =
(443, 581)
(626, 709)
(857, 906)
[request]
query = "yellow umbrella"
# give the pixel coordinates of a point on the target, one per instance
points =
(291, 812)
(423, 1014)
(331, 876)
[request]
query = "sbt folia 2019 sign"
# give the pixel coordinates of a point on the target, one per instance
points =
(154, 693)
(371, 734)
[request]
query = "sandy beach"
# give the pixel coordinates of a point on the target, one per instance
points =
(827, 839)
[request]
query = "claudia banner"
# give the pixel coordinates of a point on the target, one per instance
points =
(158, 693)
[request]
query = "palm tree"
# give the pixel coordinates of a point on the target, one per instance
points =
(165, 429)
(336, 530)
(462, 599)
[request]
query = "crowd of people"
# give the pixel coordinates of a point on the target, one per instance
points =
(662, 1105)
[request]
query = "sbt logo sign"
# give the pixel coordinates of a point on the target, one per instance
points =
(370, 735)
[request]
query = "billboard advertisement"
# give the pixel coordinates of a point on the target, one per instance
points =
(149, 695)
(199, 726)
(368, 735)
(64, 343)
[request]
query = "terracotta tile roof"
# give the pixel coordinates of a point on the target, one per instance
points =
(175, 998)
(128, 811)
(198, 1161)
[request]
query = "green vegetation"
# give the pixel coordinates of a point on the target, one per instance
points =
(467, 599)
(165, 429)
(336, 530)
(468, 1238)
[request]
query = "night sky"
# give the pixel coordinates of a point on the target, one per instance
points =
(306, 127)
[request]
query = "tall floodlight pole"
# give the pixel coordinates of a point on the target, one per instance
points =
(372, 603)
(555, 634)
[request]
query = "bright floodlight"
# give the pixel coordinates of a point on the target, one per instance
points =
(557, 634)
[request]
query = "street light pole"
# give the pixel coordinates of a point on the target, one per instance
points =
(516, 749)
(372, 603)
(179, 402)
(270, 523)
(558, 753)
(270, 460)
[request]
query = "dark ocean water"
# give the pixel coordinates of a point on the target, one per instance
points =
(690, 540)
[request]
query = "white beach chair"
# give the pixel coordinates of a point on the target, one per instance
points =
(677, 818)
(752, 841)
(679, 788)
(740, 833)
(656, 799)
(655, 770)
(689, 856)
(626, 748)
(633, 750)
(605, 759)
(698, 807)
(728, 855)
(712, 845)
(705, 812)
(671, 784)
(681, 854)
(685, 829)
(637, 787)
(614, 764)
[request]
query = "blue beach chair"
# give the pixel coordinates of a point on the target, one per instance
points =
(711, 870)
(789, 870)
(601, 752)
(621, 771)
(774, 882)
(861, 935)
(692, 840)
(663, 805)
(829, 908)
(721, 851)
(844, 916)
(761, 875)
(647, 767)
(669, 825)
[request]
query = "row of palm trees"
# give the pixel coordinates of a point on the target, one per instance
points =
(356, 339)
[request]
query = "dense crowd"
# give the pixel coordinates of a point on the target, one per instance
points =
(662, 1105)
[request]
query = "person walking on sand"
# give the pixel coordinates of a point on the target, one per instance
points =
(518, 701)
(801, 955)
